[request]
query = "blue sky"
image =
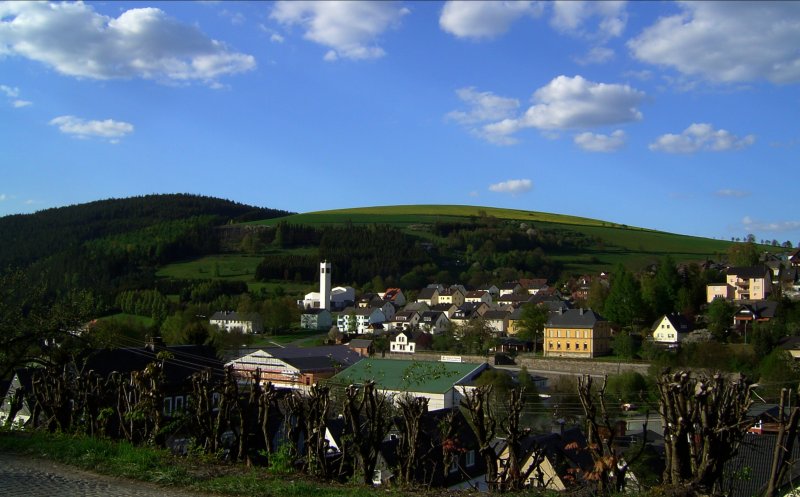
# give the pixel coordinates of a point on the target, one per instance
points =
(681, 117)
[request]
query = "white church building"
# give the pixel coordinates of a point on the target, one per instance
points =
(331, 299)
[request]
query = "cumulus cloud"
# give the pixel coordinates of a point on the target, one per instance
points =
(349, 29)
(727, 192)
(276, 38)
(726, 41)
(565, 103)
(141, 43)
(80, 128)
(568, 103)
(572, 17)
(484, 19)
(601, 143)
(3, 197)
(512, 186)
(700, 136)
(751, 224)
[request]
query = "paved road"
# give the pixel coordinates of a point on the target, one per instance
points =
(27, 477)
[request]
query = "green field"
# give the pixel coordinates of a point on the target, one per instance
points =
(426, 214)
(235, 267)
(616, 243)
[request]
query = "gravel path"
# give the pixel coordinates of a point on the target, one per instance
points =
(22, 476)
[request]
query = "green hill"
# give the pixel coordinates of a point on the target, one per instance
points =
(613, 243)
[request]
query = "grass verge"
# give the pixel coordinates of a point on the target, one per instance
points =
(158, 466)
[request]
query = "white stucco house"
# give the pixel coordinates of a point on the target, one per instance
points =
(232, 321)
(403, 343)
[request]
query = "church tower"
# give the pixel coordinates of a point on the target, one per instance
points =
(325, 285)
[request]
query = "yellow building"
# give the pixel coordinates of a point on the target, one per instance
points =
(578, 333)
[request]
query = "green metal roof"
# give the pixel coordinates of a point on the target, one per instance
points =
(415, 376)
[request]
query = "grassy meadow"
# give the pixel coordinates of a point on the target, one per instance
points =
(616, 243)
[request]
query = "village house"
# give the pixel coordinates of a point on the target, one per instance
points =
(514, 300)
(497, 321)
(562, 458)
(492, 290)
(358, 321)
(509, 288)
(447, 309)
(429, 296)
(743, 283)
(670, 330)
(362, 346)
(433, 322)
(232, 321)
(403, 343)
(452, 295)
(441, 428)
(478, 296)
(749, 313)
(403, 320)
(533, 285)
(395, 296)
(580, 333)
(316, 319)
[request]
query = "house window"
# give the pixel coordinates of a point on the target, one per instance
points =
(585, 347)
(178, 404)
(558, 345)
(454, 465)
(567, 345)
(167, 406)
(550, 345)
(470, 458)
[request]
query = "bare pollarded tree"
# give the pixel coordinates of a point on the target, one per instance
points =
(484, 425)
(705, 418)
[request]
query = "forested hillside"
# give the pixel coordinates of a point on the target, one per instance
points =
(116, 244)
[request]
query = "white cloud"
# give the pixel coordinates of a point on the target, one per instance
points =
(512, 186)
(564, 103)
(597, 55)
(568, 103)
(572, 16)
(726, 41)
(484, 106)
(81, 128)
(349, 29)
(12, 93)
(146, 43)
(276, 38)
(3, 197)
(751, 224)
(601, 143)
(484, 19)
(236, 18)
(727, 192)
(700, 136)
(9, 91)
